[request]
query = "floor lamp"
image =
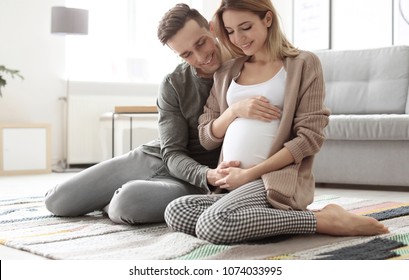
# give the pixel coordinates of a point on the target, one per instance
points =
(404, 10)
(68, 21)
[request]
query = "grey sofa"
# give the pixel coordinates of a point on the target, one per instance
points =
(368, 132)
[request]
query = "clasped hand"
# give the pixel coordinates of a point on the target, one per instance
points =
(232, 178)
(228, 175)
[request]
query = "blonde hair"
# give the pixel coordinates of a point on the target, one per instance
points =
(277, 43)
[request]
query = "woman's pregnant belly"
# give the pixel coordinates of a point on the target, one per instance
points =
(249, 141)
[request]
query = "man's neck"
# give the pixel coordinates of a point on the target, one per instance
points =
(198, 74)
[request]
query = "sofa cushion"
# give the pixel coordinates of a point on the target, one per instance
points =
(372, 81)
(368, 127)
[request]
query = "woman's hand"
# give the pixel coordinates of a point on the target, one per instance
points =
(233, 177)
(256, 108)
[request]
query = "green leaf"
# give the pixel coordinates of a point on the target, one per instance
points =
(11, 72)
(2, 82)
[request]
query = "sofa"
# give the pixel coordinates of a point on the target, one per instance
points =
(368, 132)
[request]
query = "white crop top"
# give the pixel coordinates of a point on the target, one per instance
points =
(249, 140)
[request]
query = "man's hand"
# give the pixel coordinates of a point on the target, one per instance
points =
(215, 175)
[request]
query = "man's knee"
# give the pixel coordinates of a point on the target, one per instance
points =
(130, 205)
(59, 205)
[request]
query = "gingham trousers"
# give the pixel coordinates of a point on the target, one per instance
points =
(241, 215)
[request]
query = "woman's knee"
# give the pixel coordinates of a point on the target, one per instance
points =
(181, 214)
(212, 226)
(173, 213)
(170, 213)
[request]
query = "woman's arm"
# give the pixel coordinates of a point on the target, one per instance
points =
(311, 115)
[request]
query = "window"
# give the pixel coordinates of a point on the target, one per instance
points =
(361, 24)
(121, 45)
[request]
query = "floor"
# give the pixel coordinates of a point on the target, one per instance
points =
(37, 185)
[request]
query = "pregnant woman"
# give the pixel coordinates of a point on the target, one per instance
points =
(267, 109)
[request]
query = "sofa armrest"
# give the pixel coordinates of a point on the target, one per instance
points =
(407, 104)
(379, 127)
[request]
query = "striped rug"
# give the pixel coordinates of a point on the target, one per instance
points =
(26, 225)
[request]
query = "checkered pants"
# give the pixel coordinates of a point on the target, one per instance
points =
(241, 215)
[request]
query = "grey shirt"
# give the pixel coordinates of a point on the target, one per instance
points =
(182, 96)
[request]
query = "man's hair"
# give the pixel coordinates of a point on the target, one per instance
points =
(175, 19)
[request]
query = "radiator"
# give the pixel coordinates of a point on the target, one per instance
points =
(89, 125)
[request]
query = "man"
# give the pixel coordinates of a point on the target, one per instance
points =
(136, 187)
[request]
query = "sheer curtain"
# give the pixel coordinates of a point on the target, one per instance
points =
(122, 45)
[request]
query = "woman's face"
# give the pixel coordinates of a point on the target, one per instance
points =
(246, 30)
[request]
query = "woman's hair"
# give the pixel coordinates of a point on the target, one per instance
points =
(175, 19)
(276, 42)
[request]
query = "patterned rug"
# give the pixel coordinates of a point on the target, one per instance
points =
(26, 225)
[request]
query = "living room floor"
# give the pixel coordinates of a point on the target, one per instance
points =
(37, 185)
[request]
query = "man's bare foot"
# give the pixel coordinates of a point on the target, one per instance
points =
(335, 220)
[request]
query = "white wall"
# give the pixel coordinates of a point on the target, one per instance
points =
(27, 45)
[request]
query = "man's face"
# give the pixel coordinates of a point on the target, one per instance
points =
(198, 47)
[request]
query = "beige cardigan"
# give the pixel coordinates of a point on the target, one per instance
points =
(304, 117)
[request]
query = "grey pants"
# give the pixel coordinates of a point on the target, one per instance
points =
(133, 188)
(241, 215)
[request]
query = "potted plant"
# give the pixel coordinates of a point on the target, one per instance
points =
(12, 73)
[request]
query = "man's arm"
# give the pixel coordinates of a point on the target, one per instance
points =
(174, 137)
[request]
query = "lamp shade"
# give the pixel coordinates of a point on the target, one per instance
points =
(69, 21)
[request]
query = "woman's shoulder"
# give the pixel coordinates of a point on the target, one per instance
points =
(305, 55)
(304, 59)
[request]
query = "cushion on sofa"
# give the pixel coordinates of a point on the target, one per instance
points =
(374, 81)
(368, 127)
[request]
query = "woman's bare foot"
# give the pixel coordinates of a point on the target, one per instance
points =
(335, 220)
